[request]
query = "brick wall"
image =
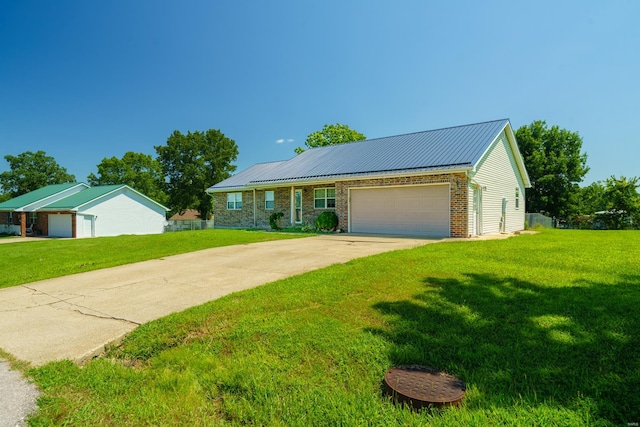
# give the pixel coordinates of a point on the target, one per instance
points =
(282, 203)
(458, 196)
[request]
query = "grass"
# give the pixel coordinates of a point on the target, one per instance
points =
(25, 262)
(542, 328)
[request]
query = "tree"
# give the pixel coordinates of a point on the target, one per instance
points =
(192, 163)
(139, 171)
(29, 171)
(592, 198)
(331, 135)
(622, 203)
(555, 165)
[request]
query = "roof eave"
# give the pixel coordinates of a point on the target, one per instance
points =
(341, 178)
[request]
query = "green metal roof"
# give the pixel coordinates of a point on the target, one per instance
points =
(83, 197)
(35, 196)
(91, 194)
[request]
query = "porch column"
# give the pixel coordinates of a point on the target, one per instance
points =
(73, 225)
(23, 224)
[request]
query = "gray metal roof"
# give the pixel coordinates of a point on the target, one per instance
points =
(440, 149)
(256, 172)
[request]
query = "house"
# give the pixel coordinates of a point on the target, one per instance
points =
(186, 215)
(77, 210)
(460, 181)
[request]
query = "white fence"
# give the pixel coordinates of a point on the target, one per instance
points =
(188, 224)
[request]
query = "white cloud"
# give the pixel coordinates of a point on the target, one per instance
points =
(283, 140)
(279, 141)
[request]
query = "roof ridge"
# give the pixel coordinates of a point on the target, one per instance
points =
(414, 133)
(434, 130)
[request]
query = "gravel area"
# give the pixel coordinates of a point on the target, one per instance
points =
(17, 397)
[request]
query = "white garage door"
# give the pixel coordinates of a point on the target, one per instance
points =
(414, 210)
(60, 225)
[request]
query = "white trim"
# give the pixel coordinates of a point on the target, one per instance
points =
(273, 200)
(295, 208)
(235, 202)
(517, 155)
(255, 219)
(325, 198)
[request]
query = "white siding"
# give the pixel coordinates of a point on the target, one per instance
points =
(497, 175)
(125, 212)
(83, 225)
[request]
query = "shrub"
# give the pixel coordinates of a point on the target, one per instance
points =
(273, 220)
(327, 221)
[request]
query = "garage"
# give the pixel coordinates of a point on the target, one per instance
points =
(408, 210)
(60, 225)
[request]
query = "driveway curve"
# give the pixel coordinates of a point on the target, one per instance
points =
(74, 317)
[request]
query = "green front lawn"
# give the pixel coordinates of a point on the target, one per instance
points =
(544, 330)
(24, 262)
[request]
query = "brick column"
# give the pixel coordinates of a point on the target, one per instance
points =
(73, 224)
(23, 224)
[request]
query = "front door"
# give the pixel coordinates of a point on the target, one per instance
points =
(298, 206)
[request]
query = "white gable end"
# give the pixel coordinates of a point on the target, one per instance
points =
(499, 190)
(122, 212)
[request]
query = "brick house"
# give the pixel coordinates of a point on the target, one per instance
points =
(460, 181)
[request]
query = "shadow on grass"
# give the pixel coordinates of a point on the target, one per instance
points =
(518, 342)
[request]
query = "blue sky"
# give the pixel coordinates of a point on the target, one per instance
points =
(88, 80)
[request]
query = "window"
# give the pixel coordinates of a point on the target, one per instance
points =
(517, 198)
(324, 198)
(269, 202)
(234, 201)
(9, 217)
(33, 218)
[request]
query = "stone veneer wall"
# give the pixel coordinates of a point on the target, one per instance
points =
(459, 196)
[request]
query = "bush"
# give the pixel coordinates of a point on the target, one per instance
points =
(327, 221)
(273, 220)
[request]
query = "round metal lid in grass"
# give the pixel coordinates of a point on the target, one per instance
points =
(419, 386)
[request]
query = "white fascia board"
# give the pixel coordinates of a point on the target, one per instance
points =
(341, 178)
(32, 207)
(508, 131)
(511, 137)
(115, 190)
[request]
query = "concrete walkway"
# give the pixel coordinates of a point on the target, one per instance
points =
(74, 317)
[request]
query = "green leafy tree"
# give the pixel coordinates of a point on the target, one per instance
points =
(592, 198)
(139, 171)
(555, 164)
(29, 171)
(192, 163)
(331, 135)
(622, 203)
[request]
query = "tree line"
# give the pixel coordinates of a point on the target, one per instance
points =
(177, 177)
(556, 166)
(190, 163)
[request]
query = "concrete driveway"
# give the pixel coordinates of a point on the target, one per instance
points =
(74, 317)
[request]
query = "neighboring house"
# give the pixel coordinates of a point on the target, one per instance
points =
(460, 181)
(187, 215)
(77, 210)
